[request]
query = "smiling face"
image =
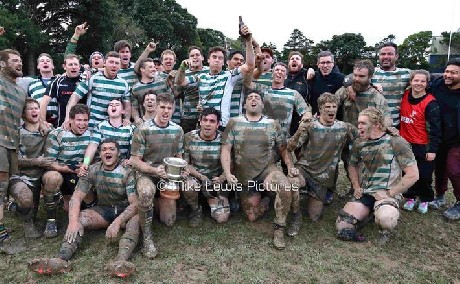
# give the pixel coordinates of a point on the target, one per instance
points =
(45, 64)
(109, 155)
(452, 76)
(236, 61)
(168, 62)
(279, 75)
(72, 67)
(387, 58)
(13, 67)
(208, 126)
(419, 83)
(148, 70)
(79, 124)
(328, 113)
(325, 65)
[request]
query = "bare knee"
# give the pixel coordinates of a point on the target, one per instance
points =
(386, 216)
(52, 181)
(23, 195)
(146, 192)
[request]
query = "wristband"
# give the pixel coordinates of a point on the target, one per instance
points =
(86, 160)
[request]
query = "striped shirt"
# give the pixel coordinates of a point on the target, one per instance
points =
(382, 161)
(177, 115)
(236, 101)
(253, 144)
(154, 143)
(112, 187)
(157, 86)
(216, 90)
(66, 147)
(370, 98)
(202, 154)
(129, 75)
(32, 145)
(321, 149)
(37, 89)
(61, 89)
(279, 104)
(122, 134)
(265, 79)
(12, 100)
(394, 83)
(101, 91)
(191, 96)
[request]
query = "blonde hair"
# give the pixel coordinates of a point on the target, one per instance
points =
(375, 117)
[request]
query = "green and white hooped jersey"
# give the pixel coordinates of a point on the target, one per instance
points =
(138, 91)
(203, 155)
(123, 135)
(191, 96)
(394, 83)
(216, 90)
(129, 75)
(101, 91)
(37, 89)
(66, 147)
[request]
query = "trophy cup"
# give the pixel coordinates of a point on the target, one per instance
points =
(173, 168)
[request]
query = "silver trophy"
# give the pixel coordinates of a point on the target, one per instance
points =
(173, 168)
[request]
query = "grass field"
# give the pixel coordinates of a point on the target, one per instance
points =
(426, 249)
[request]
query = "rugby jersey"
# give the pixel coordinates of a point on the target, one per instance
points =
(393, 83)
(122, 134)
(66, 147)
(202, 154)
(129, 75)
(253, 144)
(157, 86)
(381, 161)
(216, 90)
(279, 104)
(37, 89)
(12, 100)
(101, 91)
(154, 143)
(112, 187)
(321, 149)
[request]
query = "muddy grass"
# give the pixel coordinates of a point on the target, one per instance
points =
(425, 250)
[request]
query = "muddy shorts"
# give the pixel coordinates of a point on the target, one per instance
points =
(109, 212)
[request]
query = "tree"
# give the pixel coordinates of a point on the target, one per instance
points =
(455, 43)
(414, 51)
(298, 42)
(347, 48)
(210, 38)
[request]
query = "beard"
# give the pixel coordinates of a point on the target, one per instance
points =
(360, 87)
(11, 72)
